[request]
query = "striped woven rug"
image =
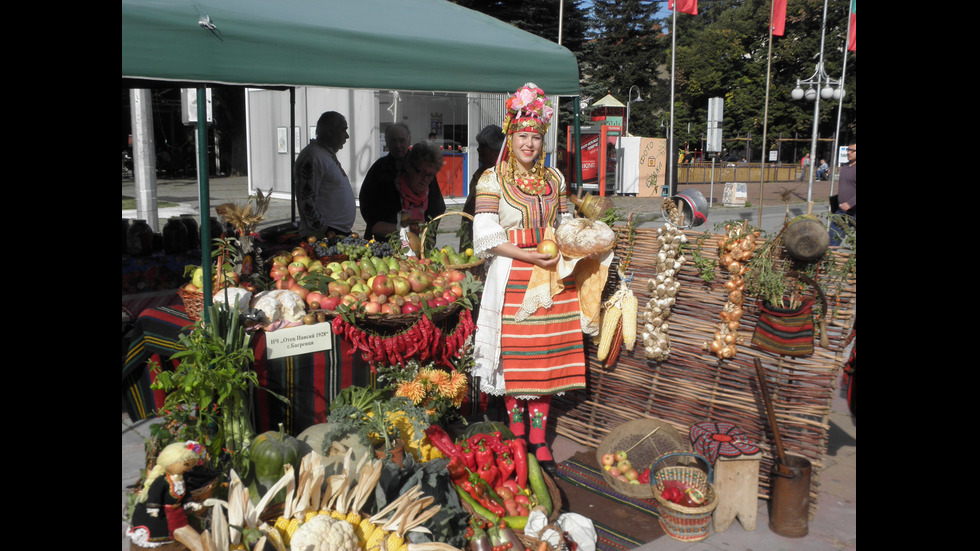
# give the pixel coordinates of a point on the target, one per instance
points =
(621, 522)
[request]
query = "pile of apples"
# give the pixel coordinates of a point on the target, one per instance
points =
(388, 285)
(618, 465)
(227, 278)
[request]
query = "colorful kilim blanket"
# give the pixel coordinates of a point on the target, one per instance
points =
(612, 535)
(309, 381)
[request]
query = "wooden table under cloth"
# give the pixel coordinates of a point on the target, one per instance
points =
(310, 381)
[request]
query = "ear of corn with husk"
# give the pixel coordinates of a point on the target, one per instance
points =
(342, 498)
(618, 322)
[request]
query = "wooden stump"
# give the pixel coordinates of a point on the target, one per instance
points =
(737, 486)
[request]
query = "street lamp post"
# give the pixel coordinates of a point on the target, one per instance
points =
(629, 100)
(819, 85)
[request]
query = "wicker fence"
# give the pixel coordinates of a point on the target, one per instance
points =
(692, 385)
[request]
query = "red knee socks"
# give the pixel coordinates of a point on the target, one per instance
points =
(537, 412)
(515, 415)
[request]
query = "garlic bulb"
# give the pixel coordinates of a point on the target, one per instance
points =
(663, 289)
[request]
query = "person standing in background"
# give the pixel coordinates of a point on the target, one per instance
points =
(411, 198)
(846, 196)
(804, 167)
(489, 141)
(381, 176)
(325, 197)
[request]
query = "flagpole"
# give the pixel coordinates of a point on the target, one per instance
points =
(765, 117)
(840, 103)
(671, 163)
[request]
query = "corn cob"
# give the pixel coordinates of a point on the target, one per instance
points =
(364, 530)
(630, 309)
(610, 322)
(395, 541)
(617, 343)
(374, 539)
(275, 538)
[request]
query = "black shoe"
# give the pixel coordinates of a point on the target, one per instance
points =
(547, 465)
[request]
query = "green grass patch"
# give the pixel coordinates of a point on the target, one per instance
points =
(129, 203)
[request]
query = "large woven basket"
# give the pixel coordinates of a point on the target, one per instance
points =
(644, 440)
(679, 522)
(461, 267)
(552, 491)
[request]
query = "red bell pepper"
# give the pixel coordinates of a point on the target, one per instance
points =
(505, 465)
(520, 461)
(469, 456)
(490, 473)
(484, 455)
(476, 439)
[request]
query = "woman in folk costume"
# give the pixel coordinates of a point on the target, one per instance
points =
(527, 348)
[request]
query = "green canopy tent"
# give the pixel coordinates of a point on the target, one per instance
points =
(421, 45)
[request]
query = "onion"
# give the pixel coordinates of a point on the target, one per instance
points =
(733, 325)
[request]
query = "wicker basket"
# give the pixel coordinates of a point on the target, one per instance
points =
(679, 522)
(462, 267)
(532, 542)
(193, 303)
(644, 440)
(552, 491)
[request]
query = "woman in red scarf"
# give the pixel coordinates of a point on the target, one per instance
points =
(412, 198)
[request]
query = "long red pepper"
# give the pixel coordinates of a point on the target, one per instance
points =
(520, 461)
(441, 440)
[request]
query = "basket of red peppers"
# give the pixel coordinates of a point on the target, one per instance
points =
(496, 478)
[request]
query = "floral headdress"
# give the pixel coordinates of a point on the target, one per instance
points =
(528, 109)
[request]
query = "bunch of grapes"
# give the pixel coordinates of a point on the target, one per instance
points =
(380, 249)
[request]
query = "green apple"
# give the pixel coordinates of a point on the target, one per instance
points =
(197, 278)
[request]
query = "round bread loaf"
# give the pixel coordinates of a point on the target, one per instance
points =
(580, 237)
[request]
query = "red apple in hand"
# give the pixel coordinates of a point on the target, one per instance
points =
(548, 247)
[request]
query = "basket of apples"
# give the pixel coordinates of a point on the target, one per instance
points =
(626, 455)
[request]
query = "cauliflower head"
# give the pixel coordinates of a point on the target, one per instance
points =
(324, 533)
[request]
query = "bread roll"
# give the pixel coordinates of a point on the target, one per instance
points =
(580, 237)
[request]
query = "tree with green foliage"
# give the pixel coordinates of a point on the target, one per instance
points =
(723, 52)
(626, 47)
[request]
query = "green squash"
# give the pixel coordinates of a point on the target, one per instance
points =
(269, 453)
(487, 427)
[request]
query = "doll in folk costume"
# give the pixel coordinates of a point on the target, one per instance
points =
(160, 518)
(526, 349)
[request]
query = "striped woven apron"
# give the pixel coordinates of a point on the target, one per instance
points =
(543, 354)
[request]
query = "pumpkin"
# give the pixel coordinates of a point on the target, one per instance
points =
(269, 453)
(487, 427)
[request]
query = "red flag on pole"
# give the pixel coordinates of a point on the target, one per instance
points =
(852, 39)
(778, 21)
(684, 6)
